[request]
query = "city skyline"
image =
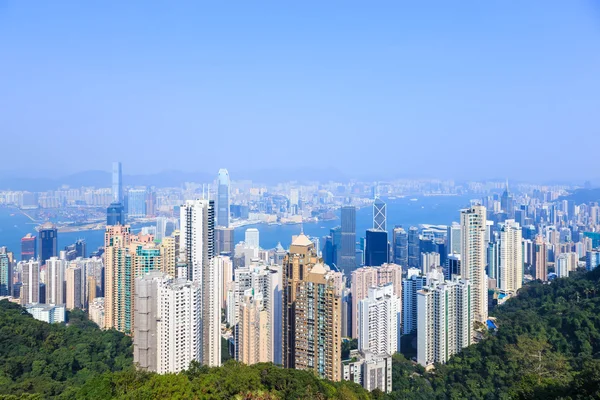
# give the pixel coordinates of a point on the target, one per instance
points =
(394, 74)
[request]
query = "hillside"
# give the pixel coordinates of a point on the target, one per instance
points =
(547, 346)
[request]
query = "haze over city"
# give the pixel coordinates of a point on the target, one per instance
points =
(428, 89)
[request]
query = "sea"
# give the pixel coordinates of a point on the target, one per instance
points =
(405, 211)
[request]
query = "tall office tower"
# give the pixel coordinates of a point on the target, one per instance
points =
(311, 312)
(507, 203)
(540, 259)
(117, 183)
(413, 247)
(30, 291)
(410, 286)
(48, 242)
(28, 247)
(452, 266)
(346, 261)
(510, 271)
(5, 273)
(74, 288)
(168, 253)
(223, 193)
(197, 237)
(81, 248)
(366, 277)
(252, 238)
(378, 321)
(377, 249)
(493, 259)
(224, 241)
(136, 206)
(167, 323)
(55, 280)
(473, 261)
(226, 266)
(115, 214)
(118, 279)
(336, 240)
(453, 238)
(444, 321)
(279, 254)
(429, 261)
(294, 201)
(253, 327)
(400, 247)
(379, 215)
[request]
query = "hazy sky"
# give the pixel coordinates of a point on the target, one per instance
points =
(439, 88)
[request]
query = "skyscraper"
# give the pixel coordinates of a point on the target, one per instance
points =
(253, 328)
(28, 247)
(223, 192)
(379, 215)
(167, 323)
(48, 242)
(347, 254)
(400, 247)
(118, 296)
(75, 289)
(540, 261)
(55, 280)
(117, 183)
(453, 238)
(444, 323)
(5, 273)
(410, 288)
(414, 251)
(473, 258)
(30, 291)
(311, 312)
(197, 242)
(224, 240)
(510, 269)
(378, 323)
(115, 214)
(136, 203)
(377, 250)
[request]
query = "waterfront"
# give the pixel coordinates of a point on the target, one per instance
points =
(401, 211)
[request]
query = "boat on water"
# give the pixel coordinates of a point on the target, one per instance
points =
(414, 199)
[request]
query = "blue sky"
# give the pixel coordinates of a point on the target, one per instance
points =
(463, 89)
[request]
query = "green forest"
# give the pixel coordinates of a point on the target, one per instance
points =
(547, 347)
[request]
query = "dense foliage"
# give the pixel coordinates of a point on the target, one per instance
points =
(547, 346)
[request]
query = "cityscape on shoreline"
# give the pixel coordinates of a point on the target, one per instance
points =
(384, 289)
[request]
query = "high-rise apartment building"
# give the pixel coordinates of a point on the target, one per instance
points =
(366, 277)
(410, 287)
(346, 260)
(444, 322)
(197, 243)
(400, 246)
(6, 264)
(74, 288)
(379, 215)
(48, 242)
(28, 247)
(118, 296)
(223, 193)
(55, 281)
(473, 225)
(252, 329)
(510, 269)
(311, 312)
(429, 261)
(169, 249)
(378, 322)
(168, 333)
(414, 250)
(30, 291)
(377, 249)
(540, 257)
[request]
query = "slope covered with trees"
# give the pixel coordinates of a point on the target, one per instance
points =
(547, 346)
